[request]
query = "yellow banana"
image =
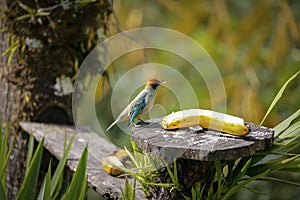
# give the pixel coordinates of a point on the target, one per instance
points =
(206, 119)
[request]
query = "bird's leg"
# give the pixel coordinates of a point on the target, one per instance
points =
(142, 121)
(135, 124)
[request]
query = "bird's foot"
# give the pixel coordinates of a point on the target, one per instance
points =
(196, 129)
(142, 122)
(137, 125)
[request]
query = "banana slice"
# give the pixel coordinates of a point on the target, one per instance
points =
(206, 119)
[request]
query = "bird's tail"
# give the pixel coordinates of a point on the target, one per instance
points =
(120, 118)
(111, 125)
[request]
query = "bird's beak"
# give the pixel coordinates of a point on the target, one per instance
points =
(161, 82)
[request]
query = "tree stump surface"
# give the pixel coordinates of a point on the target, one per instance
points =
(108, 186)
(195, 153)
(208, 145)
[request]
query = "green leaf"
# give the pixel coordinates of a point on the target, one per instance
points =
(12, 50)
(285, 124)
(57, 176)
(219, 177)
(197, 192)
(2, 192)
(3, 156)
(242, 172)
(292, 167)
(77, 183)
(45, 191)
(278, 96)
(172, 175)
(2, 171)
(47, 195)
(129, 192)
(3, 148)
(254, 191)
(26, 8)
(83, 190)
(271, 179)
(274, 165)
(290, 134)
(136, 164)
(29, 151)
(28, 187)
(241, 184)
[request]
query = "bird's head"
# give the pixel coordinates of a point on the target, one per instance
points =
(154, 83)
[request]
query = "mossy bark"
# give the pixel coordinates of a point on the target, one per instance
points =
(50, 39)
(190, 174)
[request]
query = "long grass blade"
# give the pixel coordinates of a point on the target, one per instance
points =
(285, 124)
(47, 194)
(77, 183)
(83, 190)
(242, 172)
(290, 134)
(2, 192)
(30, 151)
(45, 191)
(278, 96)
(60, 168)
(28, 187)
(241, 184)
(271, 179)
(219, 177)
(3, 156)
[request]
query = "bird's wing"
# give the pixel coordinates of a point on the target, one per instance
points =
(138, 106)
(133, 109)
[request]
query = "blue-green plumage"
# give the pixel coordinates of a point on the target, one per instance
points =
(141, 104)
(137, 108)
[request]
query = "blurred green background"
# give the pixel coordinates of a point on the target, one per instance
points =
(255, 44)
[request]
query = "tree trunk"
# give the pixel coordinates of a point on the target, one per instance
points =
(48, 46)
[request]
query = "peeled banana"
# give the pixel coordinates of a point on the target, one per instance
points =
(206, 119)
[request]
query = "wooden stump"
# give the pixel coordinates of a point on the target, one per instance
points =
(195, 152)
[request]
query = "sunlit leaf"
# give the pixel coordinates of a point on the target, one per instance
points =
(290, 134)
(284, 125)
(278, 96)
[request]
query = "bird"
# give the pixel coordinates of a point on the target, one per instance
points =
(141, 104)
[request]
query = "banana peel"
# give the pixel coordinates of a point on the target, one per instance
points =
(113, 163)
(206, 119)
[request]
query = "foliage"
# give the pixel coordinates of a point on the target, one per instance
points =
(129, 192)
(28, 187)
(52, 186)
(4, 157)
(145, 171)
